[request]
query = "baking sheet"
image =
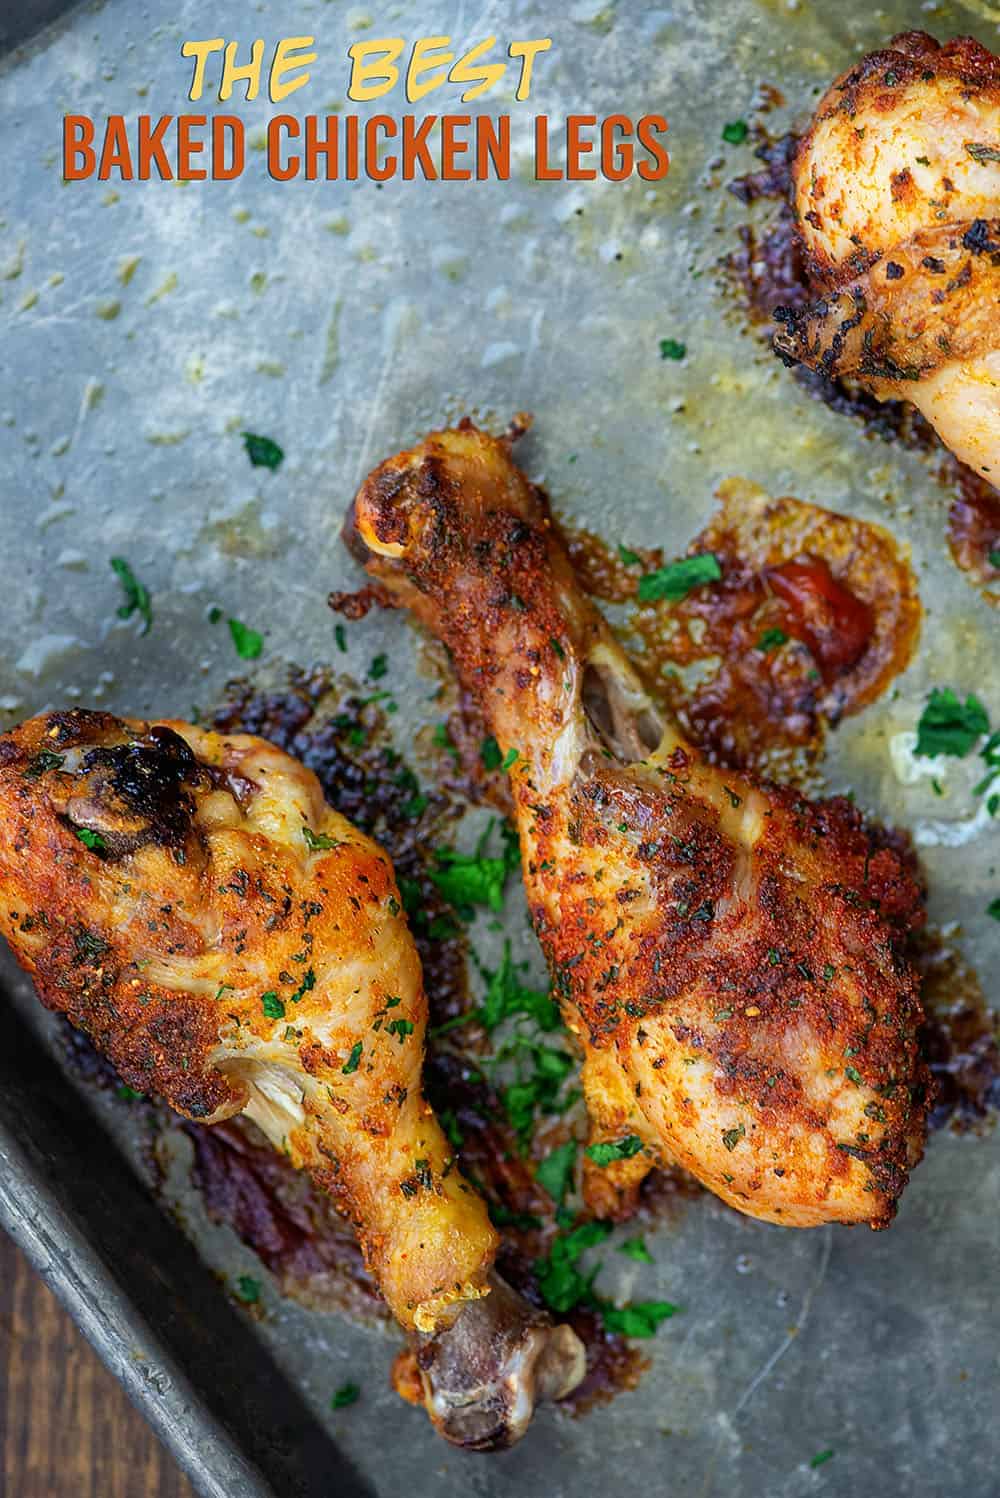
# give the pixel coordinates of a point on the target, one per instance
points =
(145, 325)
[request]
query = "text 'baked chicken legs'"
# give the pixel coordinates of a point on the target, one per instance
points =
(191, 902)
(897, 195)
(727, 952)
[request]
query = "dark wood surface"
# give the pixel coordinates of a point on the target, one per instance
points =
(66, 1428)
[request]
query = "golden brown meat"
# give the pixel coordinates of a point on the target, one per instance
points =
(192, 904)
(897, 193)
(727, 952)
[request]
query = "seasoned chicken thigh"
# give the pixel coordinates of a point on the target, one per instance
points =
(192, 904)
(726, 951)
(897, 193)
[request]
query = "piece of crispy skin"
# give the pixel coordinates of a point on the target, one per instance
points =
(728, 952)
(191, 902)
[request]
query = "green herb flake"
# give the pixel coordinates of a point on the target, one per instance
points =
(993, 909)
(770, 640)
(948, 726)
(732, 1137)
(635, 1248)
(555, 1173)
(272, 1005)
(345, 1395)
(248, 1289)
(214, 614)
(41, 763)
(353, 1060)
(606, 1152)
(248, 642)
(982, 152)
(401, 1028)
(630, 558)
(128, 1094)
(735, 132)
(306, 986)
(676, 580)
(378, 668)
(263, 452)
(994, 558)
(853, 1075)
(671, 348)
(507, 996)
(466, 879)
(509, 759)
(340, 635)
(820, 1458)
(560, 1282)
(137, 599)
(92, 840)
(489, 753)
(640, 1319)
(316, 841)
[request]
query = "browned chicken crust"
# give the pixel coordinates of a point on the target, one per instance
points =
(727, 952)
(897, 193)
(192, 904)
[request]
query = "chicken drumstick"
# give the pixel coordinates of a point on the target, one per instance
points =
(192, 903)
(897, 194)
(726, 951)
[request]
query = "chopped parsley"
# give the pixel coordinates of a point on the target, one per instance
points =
(41, 763)
(640, 1319)
(606, 1152)
(306, 986)
(443, 740)
(676, 580)
(982, 152)
(853, 1075)
(353, 1060)
(248, 1289)
(248, 642)
(128, 1094)
(538, 1088)
(993, 908)
(272, 1005)
(635, 1248)
(630, 558)
(489, 753)
(467, 879)
(732, 1137)
(92, 840)
(506, 995)
(735, 132)
(948, 726)
(509, 759)
(263, 452)
(340, 635)
(994, 558)
(672, 348)
(378, 668)
(561, 1284)
(770, 640)
(345, 1395)
(315, 841)
(401, 1028)
(555, 1173)
(821, 1457)
(137, 599)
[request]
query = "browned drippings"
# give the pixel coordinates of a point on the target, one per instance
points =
(961, 1037)
(814, 616)
(974, 528)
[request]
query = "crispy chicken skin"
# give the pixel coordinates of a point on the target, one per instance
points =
(191, 902)
(726, 951)
(897, 194)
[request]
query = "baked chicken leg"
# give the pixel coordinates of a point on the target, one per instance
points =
(897, 194)
(193, 905)
(727, 952)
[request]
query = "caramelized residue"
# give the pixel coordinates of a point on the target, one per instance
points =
(974, 530)
(961, 1037)
(768, 270)
(813, 617)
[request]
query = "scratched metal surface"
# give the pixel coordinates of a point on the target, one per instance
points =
(144, 325)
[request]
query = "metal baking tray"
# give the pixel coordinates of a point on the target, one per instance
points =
(144, 326)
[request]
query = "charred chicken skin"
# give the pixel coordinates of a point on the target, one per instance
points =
(727, 952)
(231, 943)
(897, 194)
